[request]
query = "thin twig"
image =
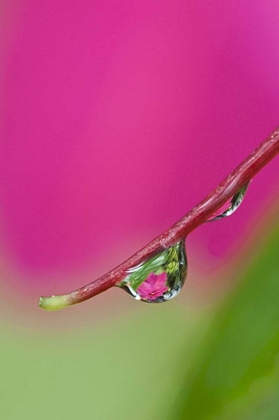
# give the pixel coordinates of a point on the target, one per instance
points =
(198, 215)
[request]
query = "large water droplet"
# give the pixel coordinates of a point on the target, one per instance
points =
(160, 278)
(230, 206)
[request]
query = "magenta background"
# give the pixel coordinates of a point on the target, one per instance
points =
(118, 116)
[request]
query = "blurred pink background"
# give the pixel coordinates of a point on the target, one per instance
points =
(118, 117)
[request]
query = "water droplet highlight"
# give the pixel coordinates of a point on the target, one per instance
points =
(230, 206)
(160, 278)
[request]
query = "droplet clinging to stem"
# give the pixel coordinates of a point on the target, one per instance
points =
(160, 278)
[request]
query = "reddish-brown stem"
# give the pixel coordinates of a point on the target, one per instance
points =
(198, 215)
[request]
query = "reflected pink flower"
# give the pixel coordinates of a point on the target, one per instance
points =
(153, 287)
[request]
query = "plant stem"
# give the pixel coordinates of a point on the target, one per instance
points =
(198, 215)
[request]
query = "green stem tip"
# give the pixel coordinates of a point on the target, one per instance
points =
(54, 303)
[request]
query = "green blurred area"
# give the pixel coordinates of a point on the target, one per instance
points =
(238, 368)
(167, 362)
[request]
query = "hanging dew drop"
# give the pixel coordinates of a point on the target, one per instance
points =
(160, 278)
(230, 206)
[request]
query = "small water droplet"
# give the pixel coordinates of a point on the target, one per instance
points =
(230, 206)
(160, 278)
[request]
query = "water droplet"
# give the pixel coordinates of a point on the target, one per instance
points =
(160, 278)
(230, 206)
